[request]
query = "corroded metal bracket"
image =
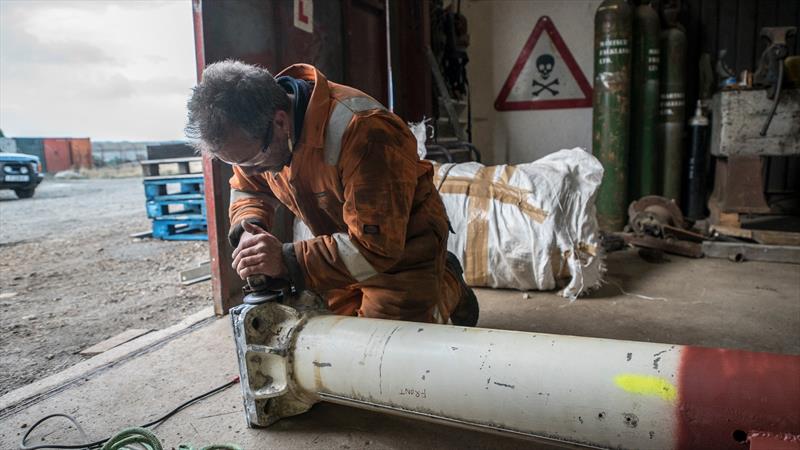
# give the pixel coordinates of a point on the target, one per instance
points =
(264, 335)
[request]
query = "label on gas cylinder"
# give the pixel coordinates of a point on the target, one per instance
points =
(653, 59)
(612, 47)
(670, 103)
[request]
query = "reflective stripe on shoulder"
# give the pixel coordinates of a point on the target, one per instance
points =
(356, 264)
(237, 195)
(342, 114)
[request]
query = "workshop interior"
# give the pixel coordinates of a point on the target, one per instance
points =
(612, 186)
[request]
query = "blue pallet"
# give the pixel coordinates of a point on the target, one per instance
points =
(191, 206)
(178, 197)
(181, 217)
(171, 186)
(180, 230)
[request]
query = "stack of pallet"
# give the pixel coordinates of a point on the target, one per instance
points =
(173, 189)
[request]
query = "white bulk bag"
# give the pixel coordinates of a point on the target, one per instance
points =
(529, 226)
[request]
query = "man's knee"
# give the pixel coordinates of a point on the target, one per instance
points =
(408, 297)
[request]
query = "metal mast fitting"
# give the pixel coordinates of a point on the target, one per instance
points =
(590, 392)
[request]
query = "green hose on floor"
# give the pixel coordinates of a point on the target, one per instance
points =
(148, 440)
(140, 437)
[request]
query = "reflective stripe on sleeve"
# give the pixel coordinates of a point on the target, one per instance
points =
(356, 264)
(237, 195)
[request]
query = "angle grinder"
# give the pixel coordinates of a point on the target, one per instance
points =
(263, 289)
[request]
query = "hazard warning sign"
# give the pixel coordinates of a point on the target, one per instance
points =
(545, 75)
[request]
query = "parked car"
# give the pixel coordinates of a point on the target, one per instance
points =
(21, 173)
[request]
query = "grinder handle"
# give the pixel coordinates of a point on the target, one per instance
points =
(261, 282)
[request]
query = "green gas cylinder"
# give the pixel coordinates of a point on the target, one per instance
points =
(672, 105)
(610, 119)
(644, 163)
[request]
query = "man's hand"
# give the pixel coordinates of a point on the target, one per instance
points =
(258, 253)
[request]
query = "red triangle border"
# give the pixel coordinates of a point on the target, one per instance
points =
(544, 24)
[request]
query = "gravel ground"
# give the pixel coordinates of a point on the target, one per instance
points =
(70, 275)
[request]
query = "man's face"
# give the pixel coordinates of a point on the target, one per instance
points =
(256, 156)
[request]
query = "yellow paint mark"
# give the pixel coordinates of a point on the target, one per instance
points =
(646, 385)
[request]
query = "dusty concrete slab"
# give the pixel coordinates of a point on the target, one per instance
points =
(41, 389)
(77, 278)
(707, 302)
(754, 306)
(114, 341)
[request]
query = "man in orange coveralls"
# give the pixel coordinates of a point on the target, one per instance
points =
(349, 169)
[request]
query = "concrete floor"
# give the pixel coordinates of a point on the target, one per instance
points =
(753, 306)
(707, 302)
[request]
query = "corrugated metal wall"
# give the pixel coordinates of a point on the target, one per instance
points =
(32, 146)
(57, 154)
(735, 26)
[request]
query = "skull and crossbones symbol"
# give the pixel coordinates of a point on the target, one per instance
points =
(544, 64)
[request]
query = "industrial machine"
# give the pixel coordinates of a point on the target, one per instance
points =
(748, 125)
(771, 67)
(561, 390)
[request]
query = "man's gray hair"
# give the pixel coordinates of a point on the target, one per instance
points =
(233, 94)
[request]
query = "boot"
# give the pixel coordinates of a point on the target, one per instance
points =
(467, 311)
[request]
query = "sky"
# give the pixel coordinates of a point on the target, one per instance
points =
(103, 69)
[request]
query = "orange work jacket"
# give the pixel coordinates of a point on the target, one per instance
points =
(357, 182)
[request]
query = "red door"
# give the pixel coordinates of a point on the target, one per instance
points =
(57, 155)
(81, 153)
(364, 24)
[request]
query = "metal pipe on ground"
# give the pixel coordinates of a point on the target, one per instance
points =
(563, 390)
